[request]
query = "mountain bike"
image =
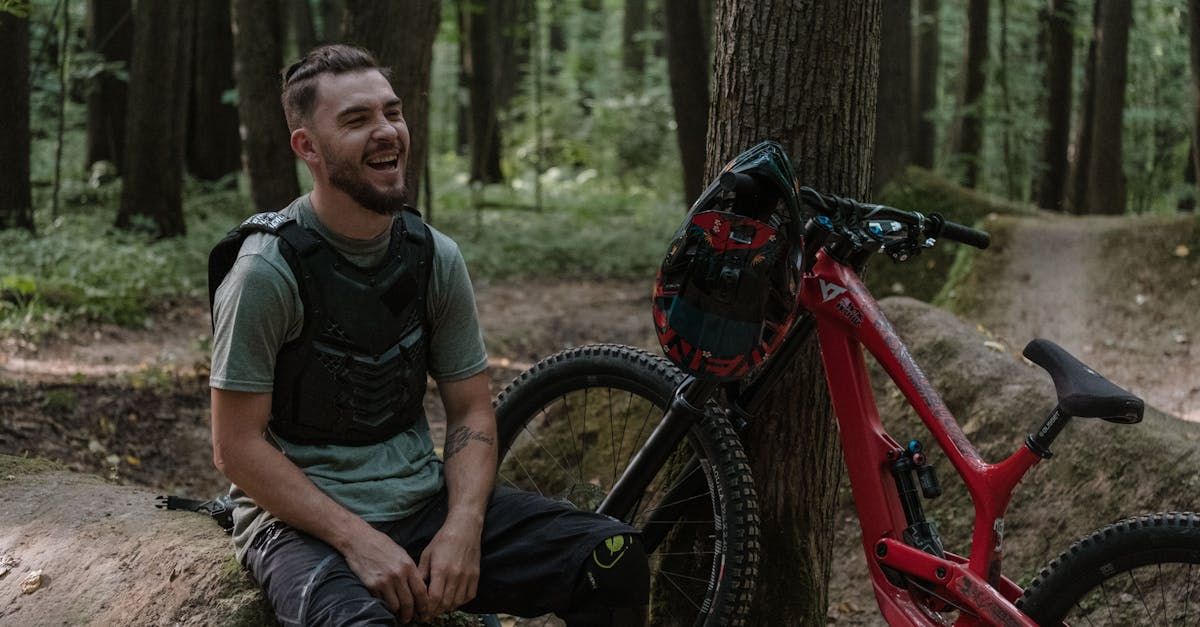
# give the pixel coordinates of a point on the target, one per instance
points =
(620, 431)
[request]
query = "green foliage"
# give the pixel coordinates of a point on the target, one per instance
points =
(589, 226)
(19, 8)
(80, 268)
(919, 190)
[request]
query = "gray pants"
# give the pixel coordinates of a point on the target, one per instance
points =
(533, 552)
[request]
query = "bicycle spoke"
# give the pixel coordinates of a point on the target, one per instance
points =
(574, 440)
(612, 441)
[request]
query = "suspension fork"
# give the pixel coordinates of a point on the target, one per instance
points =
(686, 408)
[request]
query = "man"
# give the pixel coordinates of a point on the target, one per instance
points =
(327, 319)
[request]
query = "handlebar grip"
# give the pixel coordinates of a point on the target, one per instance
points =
(739, 183)
(959, 233)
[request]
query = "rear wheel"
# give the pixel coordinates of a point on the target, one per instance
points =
(571, 424)
(1140, 571)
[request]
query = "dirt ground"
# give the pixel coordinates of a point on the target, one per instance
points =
(132, 404)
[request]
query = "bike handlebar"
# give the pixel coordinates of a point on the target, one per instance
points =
(855, 212)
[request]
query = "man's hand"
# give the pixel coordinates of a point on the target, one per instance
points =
(451, 566)
(386, 569)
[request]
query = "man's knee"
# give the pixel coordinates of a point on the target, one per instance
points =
(615, 576)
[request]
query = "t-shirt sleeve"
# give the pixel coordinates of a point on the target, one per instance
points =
(456, 349)
(254, 313)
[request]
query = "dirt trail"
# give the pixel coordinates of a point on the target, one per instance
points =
(1118, 308)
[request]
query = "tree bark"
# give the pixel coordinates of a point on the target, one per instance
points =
(588, 45)
(109, 34)
(970, 146)
(688, 61)
(158, 101)
(893, 109)
(1106, 177)
(511, 25)
(1060, 47)
(303, 27)
(1081, 151)
(16, 201)
(1194, 56)
(483, 126)
(213, 145)
(771, 81)
(331, 20)
(266, 150)
(410, 57)
(633, 47)
(924, 137)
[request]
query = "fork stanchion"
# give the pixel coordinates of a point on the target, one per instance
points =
(686, 408)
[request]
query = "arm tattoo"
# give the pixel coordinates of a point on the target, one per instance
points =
(459, 438)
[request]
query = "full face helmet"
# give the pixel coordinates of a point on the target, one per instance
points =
(725, 296)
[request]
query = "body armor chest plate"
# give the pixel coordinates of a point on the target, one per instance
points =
(357, 373)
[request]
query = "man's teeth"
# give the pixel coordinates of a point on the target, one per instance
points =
(384, 159)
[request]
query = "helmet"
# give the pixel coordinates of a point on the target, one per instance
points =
(725, 296)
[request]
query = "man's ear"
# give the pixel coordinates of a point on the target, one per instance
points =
(302, 145)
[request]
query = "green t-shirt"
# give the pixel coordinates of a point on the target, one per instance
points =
(257, 310)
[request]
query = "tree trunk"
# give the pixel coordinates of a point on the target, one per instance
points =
(557, 36)
(588, 47)
(303, 27)
(483, 127)
(213, 145)
(16, 201)
(1187, 204)
(688, 61)
(331, 20)
(1106, 177)
(893, 109)
(924, 137)
(771, 81)
(109, 34)
(1081, 151)
(158, 102)
(633, 47)
(1194, 55)
(970, 145)
(511, 25)
(372, 25)
(1060, 46)
(266, 150)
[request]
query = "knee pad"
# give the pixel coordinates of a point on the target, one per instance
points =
(616, 574)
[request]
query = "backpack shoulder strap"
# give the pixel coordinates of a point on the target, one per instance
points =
(300, 242)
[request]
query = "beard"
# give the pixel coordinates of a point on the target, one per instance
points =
(345, 176)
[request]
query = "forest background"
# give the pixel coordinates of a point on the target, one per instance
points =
(562, 143)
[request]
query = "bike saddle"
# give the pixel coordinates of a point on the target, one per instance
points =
(1082, 392)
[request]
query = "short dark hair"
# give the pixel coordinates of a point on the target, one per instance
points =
(299, 94)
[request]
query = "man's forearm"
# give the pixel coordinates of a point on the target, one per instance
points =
(470, 469)
(281, 488)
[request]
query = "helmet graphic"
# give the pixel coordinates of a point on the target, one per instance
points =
(725, 296)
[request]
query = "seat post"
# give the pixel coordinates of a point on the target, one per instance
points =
(1040, 442)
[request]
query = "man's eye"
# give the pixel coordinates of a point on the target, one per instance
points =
(354, 122)
(394, 114)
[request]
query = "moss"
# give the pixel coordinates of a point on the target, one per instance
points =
(12, 465)
(920, 190)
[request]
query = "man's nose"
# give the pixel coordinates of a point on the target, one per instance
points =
(384, 129)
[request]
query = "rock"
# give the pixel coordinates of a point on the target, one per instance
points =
(102, 545)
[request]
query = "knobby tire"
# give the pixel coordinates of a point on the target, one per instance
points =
(1139, 571)
(570, 424)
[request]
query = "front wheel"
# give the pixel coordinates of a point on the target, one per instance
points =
(1140, 571)
(571, 424)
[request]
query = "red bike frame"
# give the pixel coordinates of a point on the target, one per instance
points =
(849, 319)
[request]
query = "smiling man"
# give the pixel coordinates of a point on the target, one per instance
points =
(328, 318)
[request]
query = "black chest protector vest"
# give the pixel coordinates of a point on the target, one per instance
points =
(356, 374)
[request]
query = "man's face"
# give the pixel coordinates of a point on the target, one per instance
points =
(358, 130)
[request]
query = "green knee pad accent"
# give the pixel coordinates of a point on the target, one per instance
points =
(616, 574)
